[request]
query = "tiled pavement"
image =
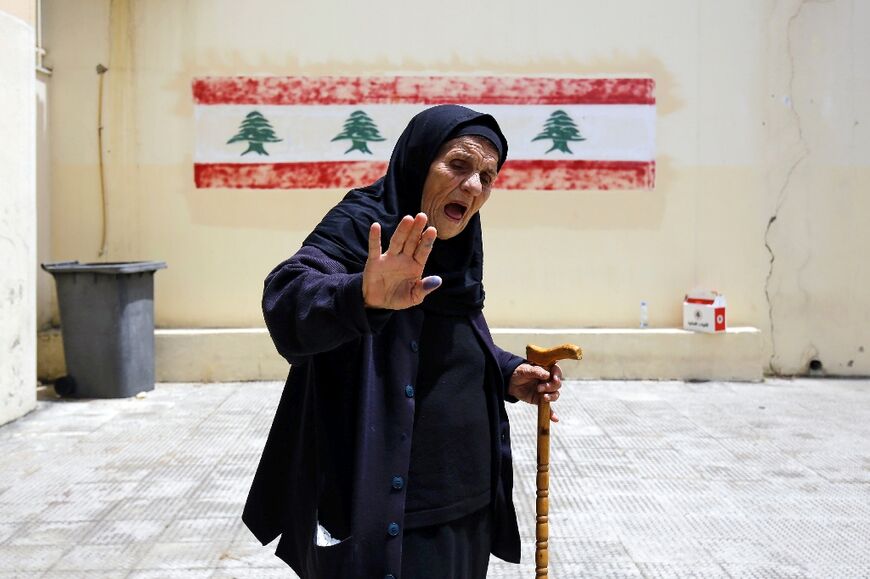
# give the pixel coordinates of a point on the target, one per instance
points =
(649, 479)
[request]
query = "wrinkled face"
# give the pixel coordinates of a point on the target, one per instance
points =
(458, 184)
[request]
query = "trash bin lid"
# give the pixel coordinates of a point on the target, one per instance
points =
(105, 267)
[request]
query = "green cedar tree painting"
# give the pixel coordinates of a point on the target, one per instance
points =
(561, 129)
(257, 130)
(359, 128)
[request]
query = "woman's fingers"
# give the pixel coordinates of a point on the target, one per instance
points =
(424, 247)
(401, 265)
(397, 241)
(375, 240)
(551, 396)
(413, 240)
(408, 236)
(553, 381)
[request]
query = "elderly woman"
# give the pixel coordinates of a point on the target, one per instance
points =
(389, 456)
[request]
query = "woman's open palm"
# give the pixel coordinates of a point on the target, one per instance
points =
(392, 280)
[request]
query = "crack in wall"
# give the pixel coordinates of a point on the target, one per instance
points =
(784, 189)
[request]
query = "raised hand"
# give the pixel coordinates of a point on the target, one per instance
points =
(392, 280)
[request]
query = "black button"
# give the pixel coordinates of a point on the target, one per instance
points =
(409, 391)
(393, 529)
(415, 347)
(398, 483)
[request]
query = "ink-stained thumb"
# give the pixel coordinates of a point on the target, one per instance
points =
(432, 282)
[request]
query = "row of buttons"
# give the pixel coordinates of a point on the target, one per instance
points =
(398, 482)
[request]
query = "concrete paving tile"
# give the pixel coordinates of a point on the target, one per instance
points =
(837, 572)
(599, 570)
(108, 491)
(666, 550)
(250, 555)
(21, 574)
(172, 574)
(80, 509)
(768, 571)
(562, 552)
(681, 571)
(88, 574)
(57, 533)
(246, 459)
(234, 471)
(142, 509)
(212, 508)
(171, 556)
(723, 471)
(628, 427)
(570, 529)
(724, 526)
(748, 551)
(221, 529)
(12, 513)
(661, 464)
(641, 442)
(635, 526)
(827, 551)
(252, 573)
(8, 530)
(499, 569)
(636, 504)
(118, 472)
(181, 471)
(243, 534)
(17, 558)
(100, 557)
(48, 482)
(227, 489)
(152, 488)
(114, 532)
(601, 470)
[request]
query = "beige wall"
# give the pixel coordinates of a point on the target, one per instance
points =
(22, 9)
(817, 182)
(17, 216)
(743, 88)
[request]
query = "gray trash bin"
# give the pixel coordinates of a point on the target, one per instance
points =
(107, 323)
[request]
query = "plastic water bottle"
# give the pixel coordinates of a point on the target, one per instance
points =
(644, 318)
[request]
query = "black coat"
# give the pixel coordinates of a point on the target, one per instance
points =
(342, 431)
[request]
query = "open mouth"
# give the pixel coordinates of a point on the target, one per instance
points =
(455, 211)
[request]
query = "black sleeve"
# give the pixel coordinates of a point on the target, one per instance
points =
(507, 362)
(312, 305)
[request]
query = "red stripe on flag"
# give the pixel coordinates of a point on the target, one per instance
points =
(569, 175)
(315, 175)
(545, 175)
(431, 90)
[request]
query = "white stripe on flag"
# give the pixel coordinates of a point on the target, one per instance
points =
(611, 132)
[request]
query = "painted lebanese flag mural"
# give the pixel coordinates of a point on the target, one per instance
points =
(338, 132)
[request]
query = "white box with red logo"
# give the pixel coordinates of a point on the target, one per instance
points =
(704, 311)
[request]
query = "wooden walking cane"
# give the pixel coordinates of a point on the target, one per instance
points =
(546, 358)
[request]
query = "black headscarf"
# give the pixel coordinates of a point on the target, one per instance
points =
(343, 233)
